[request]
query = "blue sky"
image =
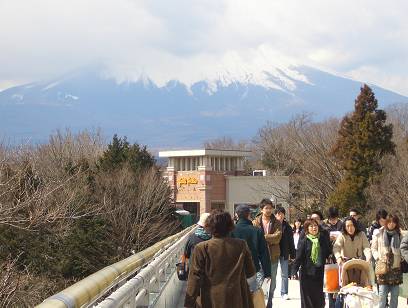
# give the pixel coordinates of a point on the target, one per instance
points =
(189, 40)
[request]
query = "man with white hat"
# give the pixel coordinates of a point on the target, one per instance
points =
(200, 235)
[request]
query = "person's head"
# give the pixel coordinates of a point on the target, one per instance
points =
(219, 223)
(280, 213)
(350, 226)
(381, 217)
(333, 214)
(392, 223)
(318, 216)
(203, 219)
(298, 223)
(266, 206)
(243, 211)
(355, 213)
(311, 226)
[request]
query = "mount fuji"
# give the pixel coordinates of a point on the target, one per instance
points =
(176, 113)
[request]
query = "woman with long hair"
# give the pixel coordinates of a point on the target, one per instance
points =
(220, 268)
(312, 251)
(297, 231)
(387, 254)
(351, 243)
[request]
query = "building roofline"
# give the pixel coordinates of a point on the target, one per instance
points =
(205, 152)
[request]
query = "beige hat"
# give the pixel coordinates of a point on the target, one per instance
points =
(203, 218)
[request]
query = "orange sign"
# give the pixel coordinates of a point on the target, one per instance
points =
(187, 181)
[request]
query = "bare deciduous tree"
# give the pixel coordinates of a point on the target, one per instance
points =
(226, 143)
(390, 191)
(138, 208)
(301, 150)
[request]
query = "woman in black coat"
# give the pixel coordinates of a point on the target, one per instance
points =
(311, 255)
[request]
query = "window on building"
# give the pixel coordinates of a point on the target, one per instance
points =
(217, 206)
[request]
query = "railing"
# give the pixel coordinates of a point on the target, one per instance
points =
(88, 291)
(144, 290)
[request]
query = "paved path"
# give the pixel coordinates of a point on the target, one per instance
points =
(294, 296)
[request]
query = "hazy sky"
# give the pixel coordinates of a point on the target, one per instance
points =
(363, 39)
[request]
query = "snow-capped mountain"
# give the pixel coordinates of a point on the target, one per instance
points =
(177, 113)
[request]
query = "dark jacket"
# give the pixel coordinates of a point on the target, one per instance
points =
(360, 227)
(200, 235)
(218, 274)
(256, 243)
(375, 225)
(303, 261)
(329, 228)
(286, 244)
(336, 227)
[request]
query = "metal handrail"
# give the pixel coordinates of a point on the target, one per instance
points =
(145, 289)
(89, 289)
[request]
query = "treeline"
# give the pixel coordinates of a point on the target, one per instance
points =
(360, 161)
(72, 206)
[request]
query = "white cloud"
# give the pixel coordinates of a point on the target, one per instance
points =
(189, 40)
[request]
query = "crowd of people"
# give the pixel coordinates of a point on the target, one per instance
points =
(229, 261)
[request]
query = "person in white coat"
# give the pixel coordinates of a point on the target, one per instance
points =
(387, 254)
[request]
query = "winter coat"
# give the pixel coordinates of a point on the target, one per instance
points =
(330, 228)
(256, 243)
(345, 247)
(218, 273)
(336, 227)
(303, 253)
(380, 252)
(286, 244)
(273, 236)
(404, 247)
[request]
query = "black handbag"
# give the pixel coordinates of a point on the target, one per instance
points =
(404, 266)
(182, 271)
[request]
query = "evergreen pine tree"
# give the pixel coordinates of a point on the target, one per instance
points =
(120, 152)
(364, 138)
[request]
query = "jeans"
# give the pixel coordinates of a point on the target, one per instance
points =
(384, 290)
(332, 300)
(284, 265)
(272, 287)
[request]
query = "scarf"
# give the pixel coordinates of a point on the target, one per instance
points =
(314, 256)
(201, 233)
(395, 240)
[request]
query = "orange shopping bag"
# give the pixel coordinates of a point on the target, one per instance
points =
(331, 278)
(258, 299)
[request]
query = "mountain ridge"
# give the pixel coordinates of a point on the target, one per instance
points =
(176, 114)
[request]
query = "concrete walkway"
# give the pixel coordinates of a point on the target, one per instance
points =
(294, 296)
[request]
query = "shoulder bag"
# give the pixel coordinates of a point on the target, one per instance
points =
(381, 267)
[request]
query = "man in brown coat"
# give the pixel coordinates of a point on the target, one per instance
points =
(220, 268)
(272, 230)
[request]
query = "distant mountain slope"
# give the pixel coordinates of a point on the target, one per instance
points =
(176, 115)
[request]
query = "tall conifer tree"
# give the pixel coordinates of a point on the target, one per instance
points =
(364, 138)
